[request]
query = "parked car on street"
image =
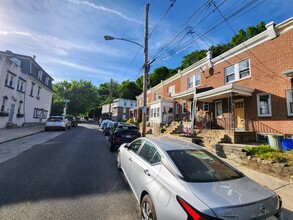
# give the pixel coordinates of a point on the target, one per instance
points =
(122, 133)
(57, 123)
(174, 179)
(73, 121)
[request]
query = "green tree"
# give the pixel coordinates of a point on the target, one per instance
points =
(252, 31)
(192, 58)
(139, 82)
(82, 95)
(219, 49)
(128, 90)
(238, 38)
(160, 73)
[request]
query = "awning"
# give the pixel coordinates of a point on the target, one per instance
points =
(188, 94)
(224, 92)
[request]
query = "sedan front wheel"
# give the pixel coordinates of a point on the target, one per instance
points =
(147, 209)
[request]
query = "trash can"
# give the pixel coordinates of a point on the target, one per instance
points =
(287, 144)
(275, 141)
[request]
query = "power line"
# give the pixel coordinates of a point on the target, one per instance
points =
(171, 5)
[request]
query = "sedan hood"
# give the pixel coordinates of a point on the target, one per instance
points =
(239, 198)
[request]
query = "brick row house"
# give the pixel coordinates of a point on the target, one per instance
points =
(25, 90)
(246, 89)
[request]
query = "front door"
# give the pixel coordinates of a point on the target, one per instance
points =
(11, 113)
(239, 114)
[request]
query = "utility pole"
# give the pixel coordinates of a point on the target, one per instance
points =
(146, 69)
(111, 85)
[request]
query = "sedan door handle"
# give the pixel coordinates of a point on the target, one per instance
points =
(147, 172)
(130, 159)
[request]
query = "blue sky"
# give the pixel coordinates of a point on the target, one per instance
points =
(67, 35)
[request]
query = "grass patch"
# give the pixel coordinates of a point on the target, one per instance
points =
(265, 152)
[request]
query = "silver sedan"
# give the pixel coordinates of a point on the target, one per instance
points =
(173, 179)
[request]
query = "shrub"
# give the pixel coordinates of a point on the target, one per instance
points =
(265, 152)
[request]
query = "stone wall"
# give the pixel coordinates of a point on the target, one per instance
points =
(236, 153)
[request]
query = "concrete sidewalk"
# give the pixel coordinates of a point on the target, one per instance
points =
(281, 187)
(8, 134)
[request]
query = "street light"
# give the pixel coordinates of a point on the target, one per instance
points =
(107, 37)
(145, 66)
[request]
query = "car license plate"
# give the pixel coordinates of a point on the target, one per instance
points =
(128, 136)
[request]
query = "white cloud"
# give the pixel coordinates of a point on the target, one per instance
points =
(102, 8)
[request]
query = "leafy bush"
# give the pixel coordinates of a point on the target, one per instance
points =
(265, 152)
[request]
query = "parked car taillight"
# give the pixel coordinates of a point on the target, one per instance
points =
(192, 212)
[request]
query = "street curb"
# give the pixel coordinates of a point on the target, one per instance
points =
(16, 138)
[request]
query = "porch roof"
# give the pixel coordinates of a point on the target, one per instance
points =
(224, 92)
(188, 94)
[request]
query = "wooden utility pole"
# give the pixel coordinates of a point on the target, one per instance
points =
(111, 88)
(146, 69)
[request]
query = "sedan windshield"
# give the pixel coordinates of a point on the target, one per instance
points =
(202, 166)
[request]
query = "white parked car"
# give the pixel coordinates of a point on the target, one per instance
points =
(174, 179)
(57, 123)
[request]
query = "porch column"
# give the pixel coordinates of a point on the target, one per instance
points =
(232, 111)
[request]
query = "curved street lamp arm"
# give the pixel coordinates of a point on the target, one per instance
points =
(117, 38)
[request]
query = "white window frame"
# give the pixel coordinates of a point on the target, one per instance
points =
(218, 115)
(40, 75)
(190, 82)
(20, 85)
(197, 79)
(269, 105)
(152, 112)
(206, 106)
(171, 90)
(237, 71)
(184, 108)
(9, 81)
(47, 81)
(289, 100)
(177, 108)
(158, 112)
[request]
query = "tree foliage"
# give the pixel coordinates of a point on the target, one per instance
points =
(192, 58)
(129, 90)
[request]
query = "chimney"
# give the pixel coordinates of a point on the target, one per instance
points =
(34, 57)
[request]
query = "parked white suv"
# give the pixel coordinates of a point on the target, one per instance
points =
(57, 123)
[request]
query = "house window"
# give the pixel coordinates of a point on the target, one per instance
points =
(38, 95)
(264, 107)
(190, 82)
(124, 103)
(289, 98)
(184, 108)
(40, 75)
(229, 74)
(237, 71)
(155, 113)
(47, 81)
(152, 113)
(156, 96)
(140, 103)
(197, 79)
(4, 103)
(244, 69)
(158, 112)
(9, 81)
(177, 108)
(36, 113)
(171, 90)
(206, 106)
(219, 109)
(32, 89)
(20, 85)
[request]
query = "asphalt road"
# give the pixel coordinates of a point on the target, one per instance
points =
(72, 176)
